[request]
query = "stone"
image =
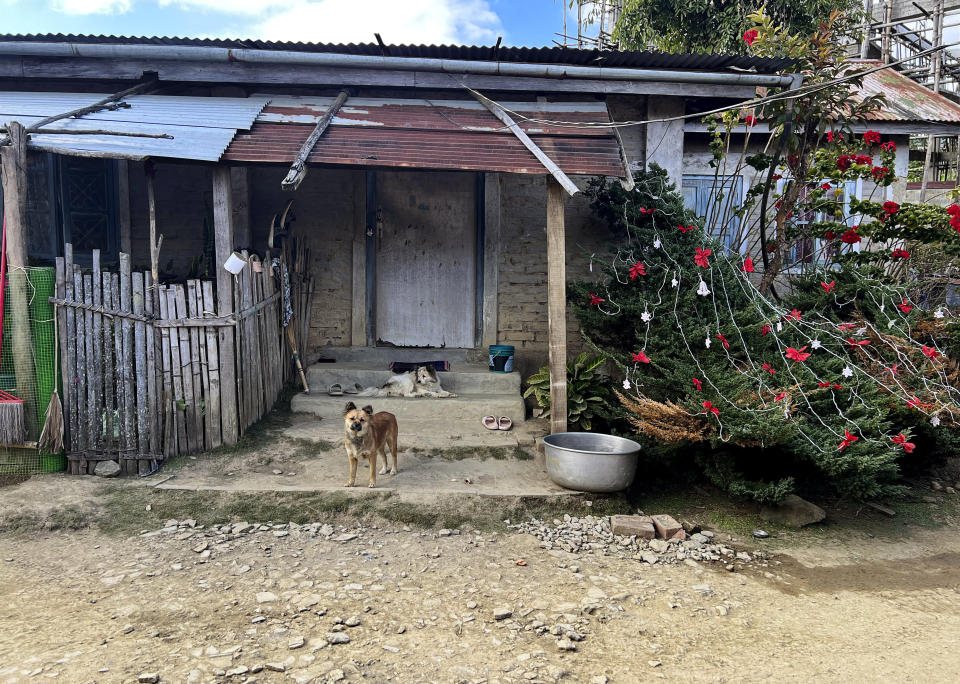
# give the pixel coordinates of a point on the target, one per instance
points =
(237, 671)
(345, 537)
(640, 526)
(275, 667)
(658, 545)
(338, 638)
(689, 527)
(566, 644)
(666, 526)
(353, 621)
(107, 469)
(296, 642)
(266, 597)
(679, 535)
(936, 486)
(703, 589)
(882, 509)
(650, 558)
(147, 677)
(950, 490)
(761, 534)
(502, 613)
(794, 512)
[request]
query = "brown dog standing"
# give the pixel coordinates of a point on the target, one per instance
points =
(366, 435)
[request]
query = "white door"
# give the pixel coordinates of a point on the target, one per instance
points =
(426, 259)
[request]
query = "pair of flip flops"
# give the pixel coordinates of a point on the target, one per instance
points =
(494, 423)
(337, 390)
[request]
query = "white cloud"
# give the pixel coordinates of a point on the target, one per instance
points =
(408, 21)
(252, 7)
(91, 6)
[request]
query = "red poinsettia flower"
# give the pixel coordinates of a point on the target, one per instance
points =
(686, 229)
(640, 357)
(795, 315)
(750, 120)
(638, 269)
(930, 352)
(844, 162)
(700, 259)
(848, 439)
(750, 36)
(797, 354)
(872, 137)
(697, 384)
(823, 384)
(900, 254)
(831, 136)
(891, 207)
(917, 404)
(829, 235)
(764, 330)
(847, 326)
(825, 187)
(828, 287)
(777, 176)
(780, 397)
(901, 440)
(954, 210)
(726, 345)
(850, 237)
(857, 343)
(893, 369)
(771, 248)
(864, 159)
(747, 266)
(889, 145)
(647, 211)
(710, 408)
(879, 172)
(905, 307)
(767, 367)
(595, 300)
(955, 223)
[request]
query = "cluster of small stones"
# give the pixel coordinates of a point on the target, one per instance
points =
(593, 535)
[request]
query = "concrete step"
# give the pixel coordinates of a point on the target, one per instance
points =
(382, 356)
(452, 421)
(464, 379)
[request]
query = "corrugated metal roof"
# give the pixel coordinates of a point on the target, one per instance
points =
(201, 127)
(444, 134)
(532, 55)
(906, 100)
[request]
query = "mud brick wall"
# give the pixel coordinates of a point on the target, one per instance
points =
(522, 319)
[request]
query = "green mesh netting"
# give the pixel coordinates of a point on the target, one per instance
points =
(29, 366)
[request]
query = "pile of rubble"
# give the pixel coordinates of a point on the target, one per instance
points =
(651, 539)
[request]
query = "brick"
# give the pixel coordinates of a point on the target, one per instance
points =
(633, 525)
(666, 526)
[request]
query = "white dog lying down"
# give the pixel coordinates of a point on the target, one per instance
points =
(422, 382)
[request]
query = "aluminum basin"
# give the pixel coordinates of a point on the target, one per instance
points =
(590, 462)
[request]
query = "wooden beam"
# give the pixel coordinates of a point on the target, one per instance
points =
(491, 259)
(265, 74)
(223, 248)
(557, 306)
(13, 158)
(298, 170)
(547, 162)
(155, 242)
(105, 103)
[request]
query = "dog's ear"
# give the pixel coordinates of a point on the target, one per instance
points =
(349, 407)
(369, 409)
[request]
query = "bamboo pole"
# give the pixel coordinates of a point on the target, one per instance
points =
(936, 67)
(557, 306)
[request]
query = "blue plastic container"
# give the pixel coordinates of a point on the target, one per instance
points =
(501, 358)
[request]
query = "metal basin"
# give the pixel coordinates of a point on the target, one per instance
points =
(590, 462)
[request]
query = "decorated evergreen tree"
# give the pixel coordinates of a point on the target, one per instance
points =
(833, 380)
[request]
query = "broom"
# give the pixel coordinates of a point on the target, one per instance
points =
(12, 427)
(51, 437)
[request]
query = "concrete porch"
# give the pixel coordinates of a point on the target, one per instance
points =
(425, 423)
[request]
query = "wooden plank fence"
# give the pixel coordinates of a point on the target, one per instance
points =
(141, 361)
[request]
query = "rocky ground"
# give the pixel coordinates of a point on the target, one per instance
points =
(551, 600)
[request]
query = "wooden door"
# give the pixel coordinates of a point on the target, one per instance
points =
(426, 259)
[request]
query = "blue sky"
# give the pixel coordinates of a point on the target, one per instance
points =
(520, 22)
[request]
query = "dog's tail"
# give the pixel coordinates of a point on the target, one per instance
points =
(369, 392)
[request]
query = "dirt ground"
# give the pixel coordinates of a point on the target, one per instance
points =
(82, 605)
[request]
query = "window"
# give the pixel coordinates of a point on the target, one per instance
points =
(811, 250)
(715, 200)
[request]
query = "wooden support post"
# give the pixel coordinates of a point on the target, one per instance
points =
(155, 242)
(298, 170)
(14, 161)
(935, 68)
(557, 306)
(223, 247)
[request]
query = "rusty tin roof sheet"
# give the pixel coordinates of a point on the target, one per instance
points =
(906, 100)
(432, 134)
